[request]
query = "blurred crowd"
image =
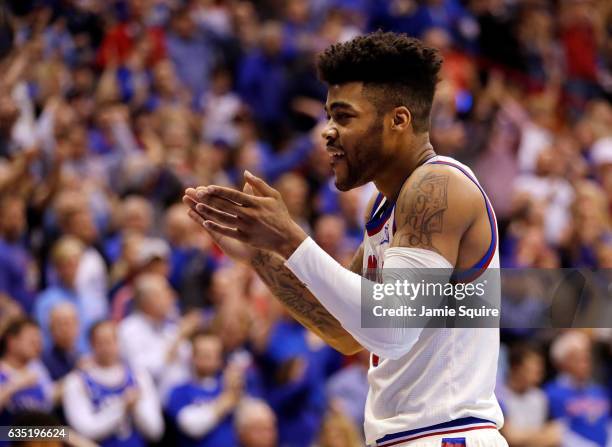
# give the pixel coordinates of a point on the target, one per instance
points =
(121, 319)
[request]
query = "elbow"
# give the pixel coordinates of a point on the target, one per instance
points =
(193, 426)
(350, 350)
(346, 345)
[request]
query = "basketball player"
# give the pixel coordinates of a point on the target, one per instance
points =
(428, 387)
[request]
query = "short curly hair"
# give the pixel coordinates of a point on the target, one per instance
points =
(397, 70)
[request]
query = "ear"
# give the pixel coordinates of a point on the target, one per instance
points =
(402, 118)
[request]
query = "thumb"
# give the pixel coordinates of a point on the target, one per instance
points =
(259, 186)
(248, 189)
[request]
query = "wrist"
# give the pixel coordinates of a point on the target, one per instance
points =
(224, 404)
(294, 239)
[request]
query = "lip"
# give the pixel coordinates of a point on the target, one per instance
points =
(334, 151)
(335, 155)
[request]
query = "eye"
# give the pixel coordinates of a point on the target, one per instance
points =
(341, 116)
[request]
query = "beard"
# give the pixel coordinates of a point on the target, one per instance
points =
(361, 166)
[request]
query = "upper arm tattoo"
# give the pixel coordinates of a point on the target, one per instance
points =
(423, 211)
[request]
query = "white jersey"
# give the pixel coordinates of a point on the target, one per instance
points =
(445, 383)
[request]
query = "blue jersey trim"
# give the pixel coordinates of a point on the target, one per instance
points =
(450, 424)
(375, 224)
(488, 256)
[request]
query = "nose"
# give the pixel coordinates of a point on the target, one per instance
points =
(329, 133)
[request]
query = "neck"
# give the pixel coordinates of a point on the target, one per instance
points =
(202, 375)
(64, 348)
(10, 238)
(14, 361)
(407, 158)
(153, 319)
(516, 385)
(104, 363)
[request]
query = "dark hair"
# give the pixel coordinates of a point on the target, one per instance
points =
(402, 69)
(13, 329)
(519, 352)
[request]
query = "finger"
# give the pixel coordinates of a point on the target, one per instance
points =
(260, 185)
(215, 215)
(248, 189)
(189, 201)
(220, 204)
(229, 194)
(191, 192)
(196, 217)
(234, 233)
(200, 221)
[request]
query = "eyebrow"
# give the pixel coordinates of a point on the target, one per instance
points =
(338, 105)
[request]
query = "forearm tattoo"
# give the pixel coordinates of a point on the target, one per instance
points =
(293, 294)
(424, 211)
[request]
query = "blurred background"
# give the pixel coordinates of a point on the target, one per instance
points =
(118, 315)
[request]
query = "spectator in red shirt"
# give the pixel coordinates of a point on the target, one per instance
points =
(120, 40)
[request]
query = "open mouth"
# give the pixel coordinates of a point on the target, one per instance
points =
(335, 155)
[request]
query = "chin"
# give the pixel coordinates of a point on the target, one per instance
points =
(346, 184)
(343, 184)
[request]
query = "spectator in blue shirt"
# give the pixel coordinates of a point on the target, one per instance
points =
(202, 408)
(297, 367)
(61, 357)
(192, 51)
(109, 401)
(581, 405)
(65, 256)
(16, 275)
(24, 382)
(263, 79)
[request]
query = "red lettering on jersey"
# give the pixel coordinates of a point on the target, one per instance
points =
(372, 262)
(375, 360)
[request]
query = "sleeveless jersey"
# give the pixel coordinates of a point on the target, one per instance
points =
(449, 374)
(33, 398)
(100, 394)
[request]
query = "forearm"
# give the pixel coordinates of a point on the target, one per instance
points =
(147, 412)
(6, 392)
(341, 292)
(301, 303)
(548, 435)
(197, 420)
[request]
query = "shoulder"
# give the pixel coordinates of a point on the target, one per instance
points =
(436, 201)
(75, 381)
(554, 389)
(181, 389)
(133, 325)
(46, 299)
(181, 396)
(438, 181)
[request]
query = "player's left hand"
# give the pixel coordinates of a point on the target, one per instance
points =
(261, 220)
